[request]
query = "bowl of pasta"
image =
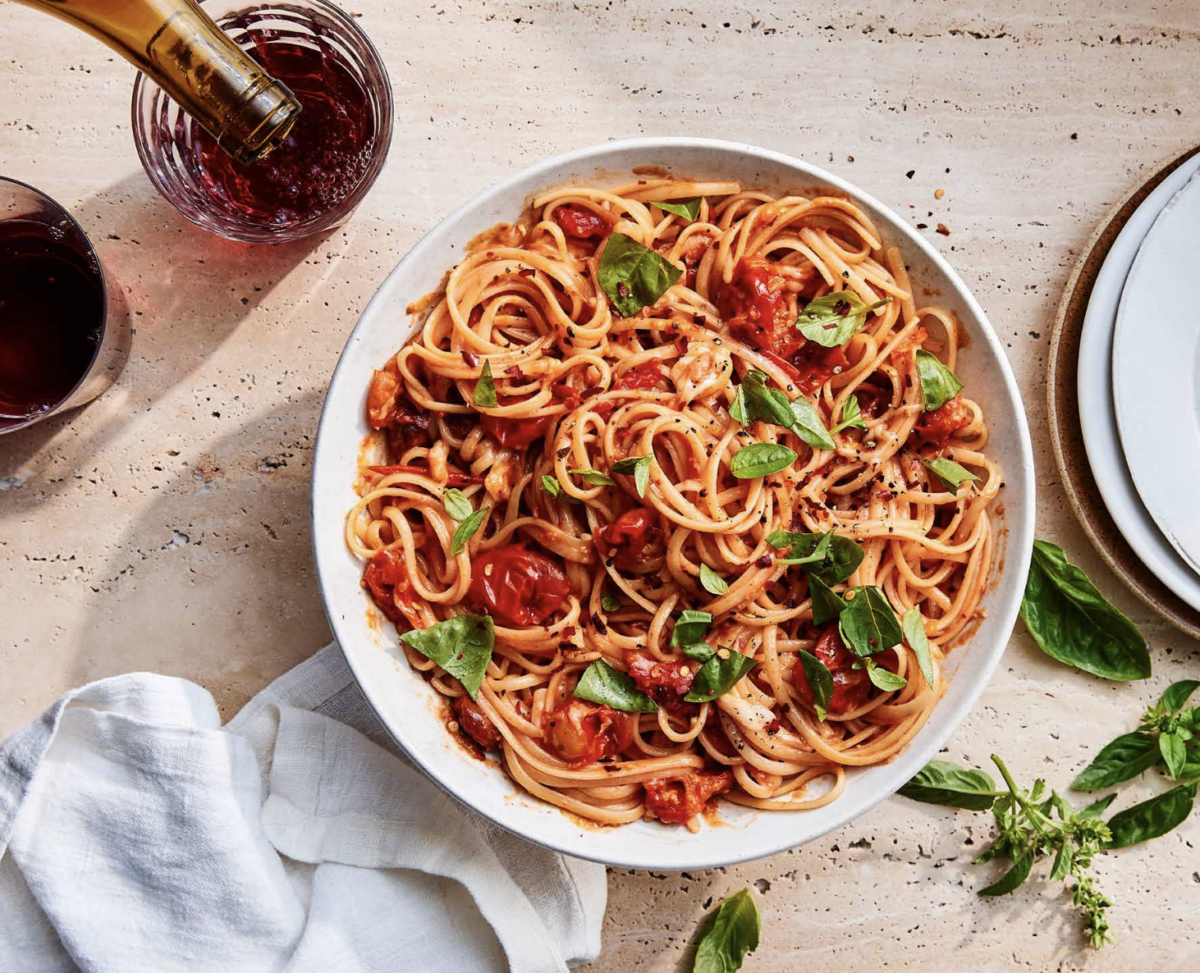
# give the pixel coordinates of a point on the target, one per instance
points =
(662, 514)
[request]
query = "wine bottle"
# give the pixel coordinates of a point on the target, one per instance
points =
(177, 44)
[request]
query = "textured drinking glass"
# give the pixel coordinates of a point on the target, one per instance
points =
(333, 155)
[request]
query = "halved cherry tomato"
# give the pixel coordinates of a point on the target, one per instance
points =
(581, 733)
(680, 797)
(475, 724)
(386, 578)
(938, 426)
(517, 585)
(580, 223)
(627, 538)
(850, 685)
(754, 305)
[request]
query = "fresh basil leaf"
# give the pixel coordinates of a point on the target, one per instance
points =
(756, 402)
(914, 633)
(639, 466)
(1177, 694)
(712, 582)
(884, 679)
(1152, 818)
(1072, 622)
(1096, 808)
(760, 459)
(633, 276)
(594, 477)
(554, 489)
(938, 384)
(851, 416)
(456, 504)
(941, 782)
(1174, 753)
(834, 319)
(1191, 771)
(1011, 879)
(820, 681)
(466, 530)
(950, 473)
(869, 625)
(826, 604)
(808, 424)
(610, 602)
(817, 556)
(689, 209)
(485, 388)
(601, 683)
(690, 627)
(1062, 862)
(461, 645)
(842, 559)
(717, 676)
(700, 651)
(1123, 759)
(732, 933)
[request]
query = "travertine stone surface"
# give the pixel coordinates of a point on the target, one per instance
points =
(166, 526)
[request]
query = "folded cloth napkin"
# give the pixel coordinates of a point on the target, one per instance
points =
(139, 836)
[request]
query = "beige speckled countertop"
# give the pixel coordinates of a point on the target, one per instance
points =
(166, 527)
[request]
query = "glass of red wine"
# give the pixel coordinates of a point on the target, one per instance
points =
(57, 348)
(327, 163)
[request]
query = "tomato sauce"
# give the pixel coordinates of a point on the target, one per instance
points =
(754, 304)
(935, 428)
(627, 539)
(815, 365)
(582, 733)
(850, 686)
(517, 585)
(664, 682)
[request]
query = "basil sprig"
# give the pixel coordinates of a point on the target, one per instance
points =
(718, 675)
(841, 557)
(633, 276)
(950, 473)
(755, 401)
(761, 459)
(690, 627)
(834, 319)
(712, 582)
(914, 633)
(639, 467)
(1072, 622)
(731, 934)
(461, 645)
(820, 681)
(869, 625)
(851, 416)
(601, 683)
(485, 388)
(594, 477)
(466, 530)
(456, 504)
(689, 209)
(938, 384)
(826, 603)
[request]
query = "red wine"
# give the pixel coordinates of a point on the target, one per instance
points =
(51, 318)
(319, 163)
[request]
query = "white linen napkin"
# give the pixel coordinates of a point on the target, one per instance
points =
(139, 836)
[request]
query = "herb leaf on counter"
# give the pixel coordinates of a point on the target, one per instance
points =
(1152, 818)
(731, 934)
(461, 645)
(633, 276)
(941, 782)
(1123, 759)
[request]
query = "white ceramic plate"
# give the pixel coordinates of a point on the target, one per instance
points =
(404, 702)
(1156, 372)
(1097, 417)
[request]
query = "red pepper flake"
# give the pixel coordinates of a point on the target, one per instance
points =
(943, 229)
(513, 371)
(841, 308)
(470, 358)
(922, 226)
(622, 290)
(773, 727)
(765, 561)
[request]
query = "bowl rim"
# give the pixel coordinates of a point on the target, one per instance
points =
(1016, 557)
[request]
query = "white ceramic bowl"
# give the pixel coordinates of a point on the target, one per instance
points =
(404, 702)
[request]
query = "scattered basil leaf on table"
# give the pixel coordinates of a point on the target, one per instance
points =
(633, 276)
(1152, 818)
(1178, 693)
(826, 603)
(1096, 808)
(851, 416)
(594, 477)
(820, 681)
(1011, 879)
(1174, 753)
(834, 319)
(690, 627)
(461, 645)
(601, 683)
(712, 582)
(808, 424)
(689, 209)
(843, 555)
(609, 602)
(882, 678)
(1123, 759)
(485, 388)
(945, 783)
(760, 459)
(731, 934)
(456, 504)
(869, 625)
(466, 530)
(950, 473)
(639, 467)
(1072, 622)
(913, 626)
(938, 384)
(717, 676)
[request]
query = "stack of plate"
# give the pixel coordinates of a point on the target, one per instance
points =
(1132, 318)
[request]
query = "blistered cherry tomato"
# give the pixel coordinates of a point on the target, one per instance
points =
(580, 223)
(475, 724)
(386, 578)
(936, 427)
(754, 305)
(627, 539)
(581, 733)
(517, 585)
(679, 798)
(850, 685)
